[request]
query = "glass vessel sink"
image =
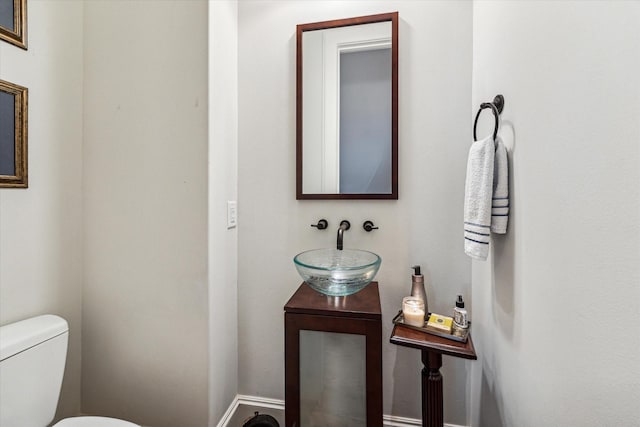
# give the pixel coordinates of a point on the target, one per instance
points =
(337, 273)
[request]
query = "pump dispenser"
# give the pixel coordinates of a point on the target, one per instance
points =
(417, 287)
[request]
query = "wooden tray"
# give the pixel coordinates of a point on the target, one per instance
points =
(399, 320)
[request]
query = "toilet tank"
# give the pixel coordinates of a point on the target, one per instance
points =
(32, 359)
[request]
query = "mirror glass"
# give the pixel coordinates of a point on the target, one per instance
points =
(7, 11)
(7, 134)
(347, 115)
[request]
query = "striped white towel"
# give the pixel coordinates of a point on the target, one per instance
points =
(477, 198)
(500, 203)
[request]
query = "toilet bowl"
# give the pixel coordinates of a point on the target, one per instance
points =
(93, 422)
(32, 358)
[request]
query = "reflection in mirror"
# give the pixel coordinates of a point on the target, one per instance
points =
(347, 109)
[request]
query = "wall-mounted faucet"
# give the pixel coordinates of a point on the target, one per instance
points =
(344, 226)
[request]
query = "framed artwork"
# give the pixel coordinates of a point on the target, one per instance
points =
(13, 22)
(13, 135)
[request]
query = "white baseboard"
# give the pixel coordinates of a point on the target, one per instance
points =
(224, 421)
(277, 404)
(393, 421)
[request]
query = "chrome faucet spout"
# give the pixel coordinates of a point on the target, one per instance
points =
(344, 226)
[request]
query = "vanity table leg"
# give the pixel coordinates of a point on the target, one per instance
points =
(374, 369)
(292, 369)
(432, 413)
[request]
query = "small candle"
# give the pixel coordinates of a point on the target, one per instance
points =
(413, 311)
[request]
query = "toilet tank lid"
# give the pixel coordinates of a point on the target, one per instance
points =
(20, 336)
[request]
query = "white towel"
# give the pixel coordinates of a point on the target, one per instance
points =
(477, 198)
(500, 204)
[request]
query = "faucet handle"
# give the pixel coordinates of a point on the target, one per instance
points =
(368, 226)
(321, 225)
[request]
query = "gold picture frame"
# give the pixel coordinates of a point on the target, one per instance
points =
(13, 135)
(13, 22)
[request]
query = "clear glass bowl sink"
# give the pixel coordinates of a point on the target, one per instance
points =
(337, 273)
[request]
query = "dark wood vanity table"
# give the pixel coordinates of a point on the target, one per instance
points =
(359, 314)
(432, 348)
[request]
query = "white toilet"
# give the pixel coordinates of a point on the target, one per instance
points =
(32, 359)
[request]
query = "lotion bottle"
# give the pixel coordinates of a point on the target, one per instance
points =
(417, 287)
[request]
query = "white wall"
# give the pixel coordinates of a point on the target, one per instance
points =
(145, 294)
(223, 178)
(556, 308)
(41, 227)
(423, 226)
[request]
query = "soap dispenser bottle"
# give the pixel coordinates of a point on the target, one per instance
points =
(417, 287)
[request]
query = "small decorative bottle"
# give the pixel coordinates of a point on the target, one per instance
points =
(460, 319)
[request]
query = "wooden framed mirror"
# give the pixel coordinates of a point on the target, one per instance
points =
(347, 108)
(13, 22)
(13, 135)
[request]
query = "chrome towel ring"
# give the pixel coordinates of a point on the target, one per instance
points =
(496, 106)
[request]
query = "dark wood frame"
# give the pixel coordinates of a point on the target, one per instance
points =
(18, 34)
(21, 95)
(393, 17)
(359, 314)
